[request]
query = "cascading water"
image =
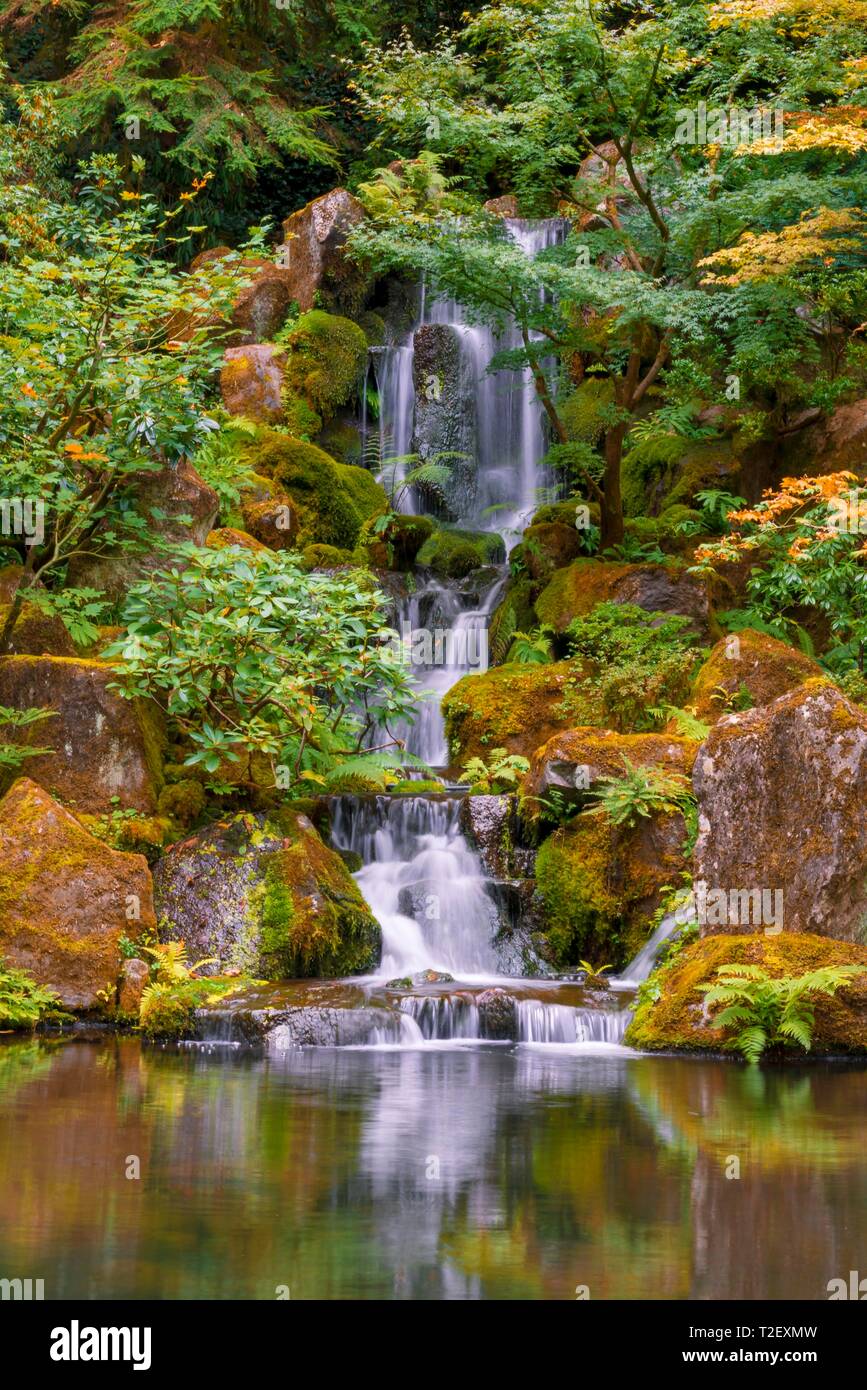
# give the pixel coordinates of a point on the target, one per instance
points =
(423, 883)
(457, 640)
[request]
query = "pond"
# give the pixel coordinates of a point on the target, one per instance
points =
(446, 1171)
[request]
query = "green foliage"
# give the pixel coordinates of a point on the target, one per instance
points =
(771, 1013)
(501, 774)
(632, 665)
(13, 755)
(641, 792)
(251, 656)
(220, 462)
(531, 648)
(167, 1006)
(23, 1002)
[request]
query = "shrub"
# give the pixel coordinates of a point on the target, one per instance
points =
(634, 664)
(767, 1012)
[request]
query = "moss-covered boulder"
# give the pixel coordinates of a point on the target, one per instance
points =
(332, 500)
(275, 523)
(577, 589)
(37, 633)
(747, 669)
(224, 537)
(673, 1015)
(251, 382)
(571, 761)
(106, 751)
(782, 796)
(327, 356)
(265, 895)
(514, 707)
(313, 253)
(66, 898)
(452, 553)
(548, 546)
(599, 885)
(397, 546)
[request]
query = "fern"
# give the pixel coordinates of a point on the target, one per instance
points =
(765, 1011)
(503, 628)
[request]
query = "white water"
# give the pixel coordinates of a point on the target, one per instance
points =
(423, 883)
(509, 427)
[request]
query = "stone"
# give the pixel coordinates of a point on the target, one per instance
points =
(257, 314)
(225, 536)
(679, 1020)
(751, 667)
(180, 507)
(504, 206)
(574, 759)
(107, 751)
(134, 977)
(445, 416)
(548, 546)
(274, 523)
(265, 895)
(36, 633)
(498, 1015)
(313, 253)
(251, 382)
(489, 822)
(833, 444)
(782, 793)
(576, 590)
(515, 707)
(66, 898)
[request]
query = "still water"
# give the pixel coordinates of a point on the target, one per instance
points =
(474, 1172)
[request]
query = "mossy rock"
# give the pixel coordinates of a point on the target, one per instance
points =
(710, 465)
(452, 553)
(326, 358)
(565, 512)
(333, 499)
(678, 1020)
(327, 557)
(575, 591)
(264, 894)
(644, 464)
(748, 669)
(548, 546)
(599, 886)
(36, 633)
(515, 707)
(342, 441)
(423, 787)
(397, 547)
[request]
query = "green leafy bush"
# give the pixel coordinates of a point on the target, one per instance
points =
(633, 665)
(23, 1002)
(641, 792)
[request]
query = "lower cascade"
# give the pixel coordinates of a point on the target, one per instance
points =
(423, 883)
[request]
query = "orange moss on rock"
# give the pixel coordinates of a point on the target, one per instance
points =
(764, 667)
(515, 707)
(679, 1019)
(574, 758)
(576, 589)
(66, 898)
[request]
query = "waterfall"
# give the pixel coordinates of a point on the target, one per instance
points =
(456, 620)
(642, 964)
(508, 429)
(423, 883)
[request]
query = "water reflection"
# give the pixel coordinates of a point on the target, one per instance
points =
(475, 1172)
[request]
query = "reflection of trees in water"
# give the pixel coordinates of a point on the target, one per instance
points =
(460, 1173)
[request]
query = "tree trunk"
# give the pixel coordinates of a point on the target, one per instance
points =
(612, 502)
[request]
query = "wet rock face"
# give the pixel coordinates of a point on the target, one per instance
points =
(490, 824)
(782, 793)
(498, 1015)
(134, 977)
(264, 894)
(312, 255)
(251, 382)
(748, 665)
(445, 391)
(66, 898)
(103, 746)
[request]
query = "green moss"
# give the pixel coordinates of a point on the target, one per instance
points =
(453, 553)
(670, 1013)
(341, 441)
(326, 358)
(332, 499)
(516, 707)
(585, 412)
(579, 910)
(644, 464)
(703, 466)
(167, 1010)
(326, 557)
(183, 801)
(416, 788)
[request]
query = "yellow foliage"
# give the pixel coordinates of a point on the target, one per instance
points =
(808, 16)
(765, 255)
(842, 129)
